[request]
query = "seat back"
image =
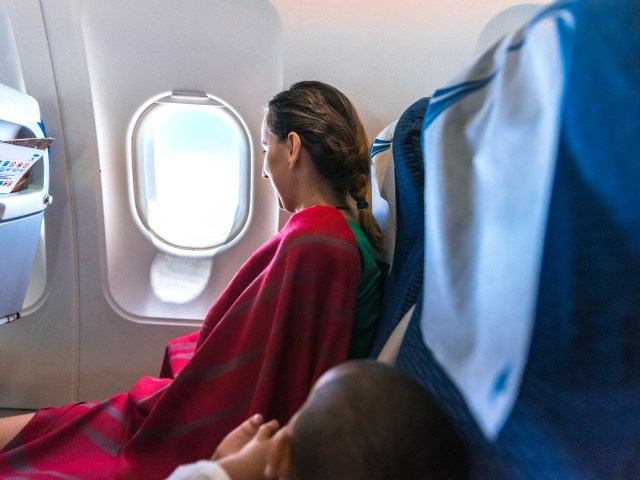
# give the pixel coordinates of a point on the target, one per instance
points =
(399, 178)
(21, 211)
(575, 413)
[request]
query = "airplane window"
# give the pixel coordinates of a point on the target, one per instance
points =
(190, 172)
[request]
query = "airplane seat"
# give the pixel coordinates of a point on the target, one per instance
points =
(398, 205)
(527, 329)
(21, 213)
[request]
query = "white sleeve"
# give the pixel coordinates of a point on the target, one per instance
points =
(202, 470)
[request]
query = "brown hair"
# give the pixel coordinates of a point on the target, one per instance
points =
(333, 135)
(371, 421)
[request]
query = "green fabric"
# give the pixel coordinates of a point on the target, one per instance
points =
(369, 297)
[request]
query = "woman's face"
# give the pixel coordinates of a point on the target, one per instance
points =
(276, 167)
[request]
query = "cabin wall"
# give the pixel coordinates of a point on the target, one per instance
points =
(72, 342)
(386, 55)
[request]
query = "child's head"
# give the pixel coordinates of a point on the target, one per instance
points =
(367, 420)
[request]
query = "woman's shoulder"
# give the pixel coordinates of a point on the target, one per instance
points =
(319, 221)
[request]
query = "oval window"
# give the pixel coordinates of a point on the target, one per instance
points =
(191, 171)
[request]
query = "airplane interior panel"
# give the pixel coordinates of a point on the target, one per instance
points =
(153, 186)
(111, 292)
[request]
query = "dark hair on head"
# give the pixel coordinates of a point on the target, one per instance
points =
(333, 135)
(371, 421)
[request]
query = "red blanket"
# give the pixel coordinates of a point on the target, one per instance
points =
(284, 319)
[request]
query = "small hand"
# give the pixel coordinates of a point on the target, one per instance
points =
(238, 437)
(250, 461)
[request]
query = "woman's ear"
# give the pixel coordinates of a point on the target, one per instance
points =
(279, 457)
(294, 144)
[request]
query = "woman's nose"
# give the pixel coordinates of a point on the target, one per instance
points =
(264, 174)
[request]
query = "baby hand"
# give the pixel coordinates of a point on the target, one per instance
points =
(238, 437)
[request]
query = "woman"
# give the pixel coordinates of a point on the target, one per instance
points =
(306, 300)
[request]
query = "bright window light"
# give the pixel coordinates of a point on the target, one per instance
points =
(191, 172)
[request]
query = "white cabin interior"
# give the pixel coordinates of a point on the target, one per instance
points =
(105, 293)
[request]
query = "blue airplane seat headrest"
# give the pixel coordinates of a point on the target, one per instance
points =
(399, 177)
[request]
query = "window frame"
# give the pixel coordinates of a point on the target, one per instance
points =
(140, 170)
